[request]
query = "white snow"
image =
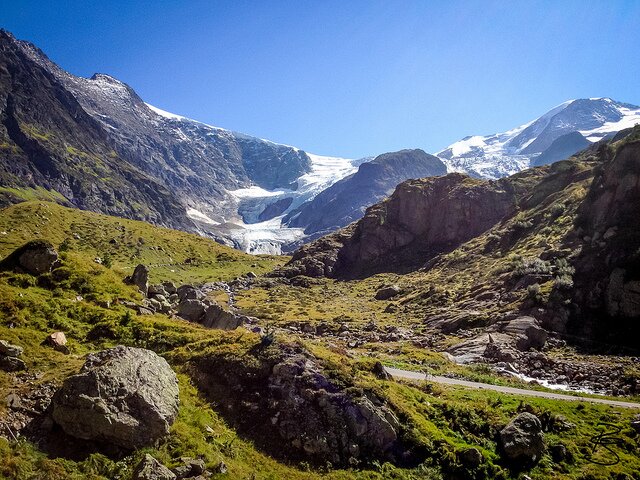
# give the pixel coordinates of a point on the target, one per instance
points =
(498, 155)
(629, 119)
(266, 237)
(165, 114)
(269, 236)
(200, 217)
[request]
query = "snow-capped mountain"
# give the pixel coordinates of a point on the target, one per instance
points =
(231, 186)
(557, 134)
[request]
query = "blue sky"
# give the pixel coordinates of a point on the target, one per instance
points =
(347, 78)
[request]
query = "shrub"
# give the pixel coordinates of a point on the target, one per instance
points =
(531, 266)
(564, 282)
(557, 209)
(534, 292)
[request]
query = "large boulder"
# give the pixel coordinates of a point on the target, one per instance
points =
(388, 292)
(139, 278)
(35, 257)
(123, 396)
(528, 331)
(522, 440)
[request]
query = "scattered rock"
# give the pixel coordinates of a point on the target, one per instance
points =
(124, 396)
(58, 341)
(252, 275)
(10, 350)
(191, 309)
(13, 400)
(388, 292)
(139, 278)
(471, 457)
(522, 440)
(151, 469)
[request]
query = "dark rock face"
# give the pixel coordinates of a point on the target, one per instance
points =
(35, 257)
(420, 220)
(284, 401)
(522, 439)
(274, 209)
(55, 144)
(347, 200)
(123, 396)
(561, 148)
(607, 279)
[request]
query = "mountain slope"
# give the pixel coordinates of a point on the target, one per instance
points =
(346, 200)
(502, 154)
(198, 174)
(474, 247)
(48, 141)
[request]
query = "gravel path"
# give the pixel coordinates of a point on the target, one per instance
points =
(411, 375)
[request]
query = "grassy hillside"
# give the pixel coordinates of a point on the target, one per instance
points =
(83, 301)
(172, 255)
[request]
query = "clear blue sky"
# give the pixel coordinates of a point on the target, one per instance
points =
(349, 78)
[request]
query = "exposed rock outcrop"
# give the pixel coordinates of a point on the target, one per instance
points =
(123, 396)
(284, 400)
(420, 220)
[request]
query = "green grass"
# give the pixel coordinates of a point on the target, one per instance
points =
(172, 255)
(82, 299)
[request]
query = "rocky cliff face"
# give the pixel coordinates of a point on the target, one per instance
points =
(346, 200)
(607, 280)
(421, 219)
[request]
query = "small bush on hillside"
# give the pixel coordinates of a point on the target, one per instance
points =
(557, 209)
(531, 266)
(534, 292)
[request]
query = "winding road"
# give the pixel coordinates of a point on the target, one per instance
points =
(411, 375)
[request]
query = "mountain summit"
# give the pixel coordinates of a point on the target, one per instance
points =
(558, 134)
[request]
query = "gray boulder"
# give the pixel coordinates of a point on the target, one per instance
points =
(151, 469)
(522, 439)
(9, 353)
(191, 309)
(216, 317)
(189, 292)
(386, 293)
(139, 278)
(528, 331)
(35, 258)
(169, 287)
(157, 289)
(124, 396)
